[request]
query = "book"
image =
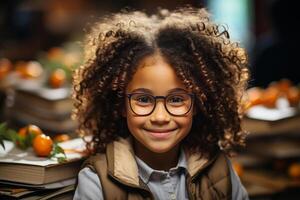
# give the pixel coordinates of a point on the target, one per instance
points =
(266, 127)
(25, 167)
(65, 193)
(48, 108)
(12, 193)
(21, 105)
(54, 185)
(283, 149)
(44, 99)
(262, 182)
(282, 111)
(61, 125)
(261, 120)
(9, 192)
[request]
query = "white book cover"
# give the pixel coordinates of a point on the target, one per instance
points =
(282, 111)
(12, 154)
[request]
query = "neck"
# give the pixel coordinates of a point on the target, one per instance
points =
(158, 161)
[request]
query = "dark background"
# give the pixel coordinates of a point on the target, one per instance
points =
(30, 26)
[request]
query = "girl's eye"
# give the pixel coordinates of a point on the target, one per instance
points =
(176, 100)
(143, 99)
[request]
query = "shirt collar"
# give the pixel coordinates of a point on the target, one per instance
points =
(146, 171)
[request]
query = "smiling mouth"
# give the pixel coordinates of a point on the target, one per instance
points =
(160, 134)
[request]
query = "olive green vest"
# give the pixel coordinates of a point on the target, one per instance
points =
(208, 179)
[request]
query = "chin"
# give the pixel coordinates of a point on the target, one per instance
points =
(160, 148)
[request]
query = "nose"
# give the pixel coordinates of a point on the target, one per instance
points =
(160, 114)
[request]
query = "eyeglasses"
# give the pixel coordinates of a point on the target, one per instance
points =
(177, 104)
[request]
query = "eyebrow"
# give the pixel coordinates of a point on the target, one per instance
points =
(150, 91)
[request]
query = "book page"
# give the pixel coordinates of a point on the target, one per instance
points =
(12, 154)
(50, 94)
(54, 185)
(267, 114)
(282, 111)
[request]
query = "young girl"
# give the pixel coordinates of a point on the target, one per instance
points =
(160, 96)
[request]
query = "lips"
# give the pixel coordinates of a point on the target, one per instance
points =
(160, 133)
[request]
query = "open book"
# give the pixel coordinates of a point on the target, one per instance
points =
(25, 167)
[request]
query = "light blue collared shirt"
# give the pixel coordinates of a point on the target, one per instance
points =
(162, 184)
(165, 184)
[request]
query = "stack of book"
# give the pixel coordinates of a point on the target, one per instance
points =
(13, 191)
(48, 108)
(26, 176)
(272, 152)
(263, 121)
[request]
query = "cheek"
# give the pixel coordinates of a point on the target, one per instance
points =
(186, 124)
(135, 125)
(134, 122)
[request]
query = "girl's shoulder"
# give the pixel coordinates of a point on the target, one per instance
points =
(95, 161)
(88, 185)
(238, 190)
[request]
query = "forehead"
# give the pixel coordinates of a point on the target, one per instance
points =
(155, 74)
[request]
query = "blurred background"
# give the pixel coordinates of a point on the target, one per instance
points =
(40, 47)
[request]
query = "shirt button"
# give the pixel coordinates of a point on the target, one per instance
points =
(173, 196)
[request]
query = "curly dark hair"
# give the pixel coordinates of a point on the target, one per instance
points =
(200, 51)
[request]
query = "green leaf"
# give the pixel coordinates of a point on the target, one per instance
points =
(21, 142)
(7, 133)
(58, 153)
(29, 139)
(61, 159)
(2, 134)
(2, 127)
(2, 142)
(11, 135)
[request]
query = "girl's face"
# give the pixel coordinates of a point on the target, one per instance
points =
(159, 131)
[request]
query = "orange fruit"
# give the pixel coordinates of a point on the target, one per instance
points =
(22, 132)
(27, 70)
(20, 68)
(5, 67)
(283, 85)
(238, 168)
(55, 53)
(255, 96)
(30, 129)
(27, 134)
(294, 170)
(61, 138)
(270, 97)
(293, 96)
(42, 145)
(57, 78)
